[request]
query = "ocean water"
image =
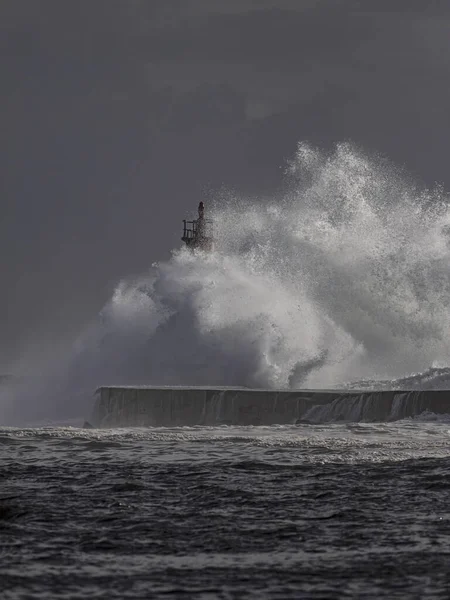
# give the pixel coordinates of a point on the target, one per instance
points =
(325, 511)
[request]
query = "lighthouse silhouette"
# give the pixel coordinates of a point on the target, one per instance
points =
(197, 234)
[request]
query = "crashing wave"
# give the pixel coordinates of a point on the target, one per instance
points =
(344, 277)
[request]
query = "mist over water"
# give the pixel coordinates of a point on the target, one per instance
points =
(344, 278)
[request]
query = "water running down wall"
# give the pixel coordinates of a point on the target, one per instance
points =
(173, 407)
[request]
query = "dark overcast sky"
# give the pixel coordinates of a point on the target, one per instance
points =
(115, 115)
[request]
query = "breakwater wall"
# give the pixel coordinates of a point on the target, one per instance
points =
(189, 406)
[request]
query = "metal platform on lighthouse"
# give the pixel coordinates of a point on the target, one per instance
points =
(199, 232)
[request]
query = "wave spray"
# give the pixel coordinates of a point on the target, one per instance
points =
(342, 280)
(345, 277)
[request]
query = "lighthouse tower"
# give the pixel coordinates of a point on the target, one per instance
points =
(198, 233)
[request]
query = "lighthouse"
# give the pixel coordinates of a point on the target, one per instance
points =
(197, 234)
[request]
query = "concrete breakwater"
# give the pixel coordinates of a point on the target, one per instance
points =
(189, 406)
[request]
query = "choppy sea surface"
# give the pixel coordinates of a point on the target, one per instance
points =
(311, 511)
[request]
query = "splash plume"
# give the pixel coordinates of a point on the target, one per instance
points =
(344, 278)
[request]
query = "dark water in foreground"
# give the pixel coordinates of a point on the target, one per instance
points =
(333, 511)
